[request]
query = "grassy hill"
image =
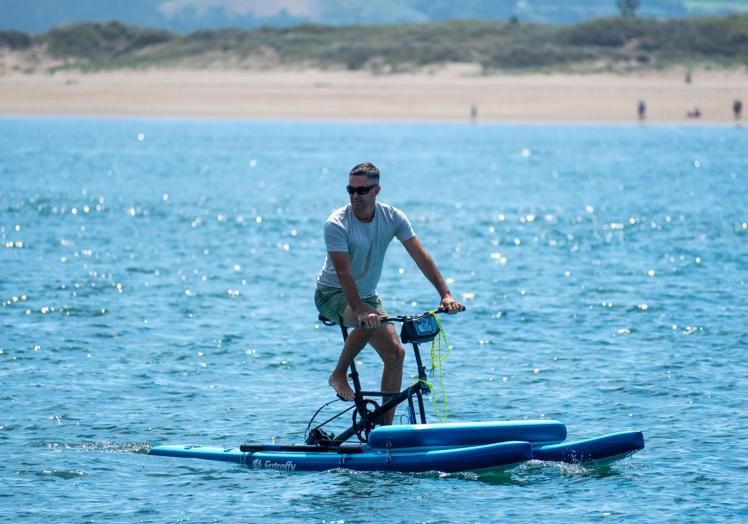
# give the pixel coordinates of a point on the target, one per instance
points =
(603, 44)
(185, 16)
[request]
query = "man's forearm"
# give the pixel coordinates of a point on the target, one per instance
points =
(432, 273)
(427, 266)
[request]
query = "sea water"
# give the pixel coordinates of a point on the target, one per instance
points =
(156, 283)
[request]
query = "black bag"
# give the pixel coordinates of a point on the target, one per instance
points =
(419, 330)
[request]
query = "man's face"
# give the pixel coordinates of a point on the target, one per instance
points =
(359, 201)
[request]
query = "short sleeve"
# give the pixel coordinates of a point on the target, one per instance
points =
(336, 238)
(403, 229)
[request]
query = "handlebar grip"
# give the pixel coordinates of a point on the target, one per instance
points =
(441, 309)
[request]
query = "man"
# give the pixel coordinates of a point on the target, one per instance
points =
(356, 237)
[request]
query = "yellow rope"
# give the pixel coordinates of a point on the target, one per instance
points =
(440, 360)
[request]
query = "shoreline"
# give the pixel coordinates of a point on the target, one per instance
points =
(738, 124)
(446, 96)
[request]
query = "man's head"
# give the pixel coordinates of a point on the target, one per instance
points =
(363, 186)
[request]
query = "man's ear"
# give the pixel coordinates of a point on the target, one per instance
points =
(377, 190)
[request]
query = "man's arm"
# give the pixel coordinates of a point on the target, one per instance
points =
(364, 314)
(426, 264)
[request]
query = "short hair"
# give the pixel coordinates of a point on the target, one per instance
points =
(367, 169)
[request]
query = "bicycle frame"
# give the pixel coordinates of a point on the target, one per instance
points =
(373, 418)
(364, 420)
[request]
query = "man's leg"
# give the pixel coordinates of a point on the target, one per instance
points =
(386, 343)
(355, 342)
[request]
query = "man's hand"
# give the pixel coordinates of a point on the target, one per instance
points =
(368, 317)
(450, 304)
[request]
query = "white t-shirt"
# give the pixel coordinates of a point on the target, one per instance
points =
(365, 243)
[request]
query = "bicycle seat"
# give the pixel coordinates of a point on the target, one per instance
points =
(326, 321)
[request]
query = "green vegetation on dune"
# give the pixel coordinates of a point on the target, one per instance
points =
(14, 40)
(606, 43)
(724, 40)
(101, 43)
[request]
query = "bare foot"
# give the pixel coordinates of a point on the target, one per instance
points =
(341, 387)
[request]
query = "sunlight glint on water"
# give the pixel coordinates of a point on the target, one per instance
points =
(157, 281)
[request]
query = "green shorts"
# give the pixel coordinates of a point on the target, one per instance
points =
(331, 302)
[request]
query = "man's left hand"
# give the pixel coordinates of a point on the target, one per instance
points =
(450, 304)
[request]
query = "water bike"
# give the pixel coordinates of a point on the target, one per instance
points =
(416, 446)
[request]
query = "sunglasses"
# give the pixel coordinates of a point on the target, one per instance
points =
(363, 190)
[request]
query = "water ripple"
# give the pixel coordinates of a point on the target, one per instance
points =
(160, 290)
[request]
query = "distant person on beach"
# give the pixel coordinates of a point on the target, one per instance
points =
(642, 110)
(737, 108)
(356, 237)
(696, 113)
(473, 113)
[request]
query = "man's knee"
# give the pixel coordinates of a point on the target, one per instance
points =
(395, 356)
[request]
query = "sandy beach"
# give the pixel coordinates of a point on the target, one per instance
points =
(447, 95)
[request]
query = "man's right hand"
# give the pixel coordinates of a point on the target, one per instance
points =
(368, 317)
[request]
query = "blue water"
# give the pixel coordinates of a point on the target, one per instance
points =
(156, 282)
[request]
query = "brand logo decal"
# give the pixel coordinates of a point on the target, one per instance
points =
(269, 464)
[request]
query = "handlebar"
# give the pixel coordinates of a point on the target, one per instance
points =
(403, 318)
